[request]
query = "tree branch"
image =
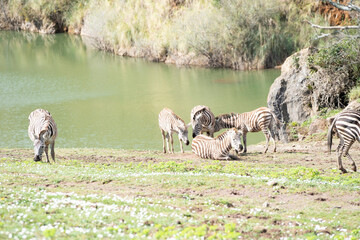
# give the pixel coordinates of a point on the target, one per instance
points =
(332, 27)
(348, 7)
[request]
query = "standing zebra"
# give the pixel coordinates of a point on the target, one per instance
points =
(219, 147)
(169, 122)
(202, 120)
(42, 131)
(347, 127)
(260, 119)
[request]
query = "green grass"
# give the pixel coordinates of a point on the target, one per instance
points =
(86, 194)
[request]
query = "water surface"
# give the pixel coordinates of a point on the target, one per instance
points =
(102, 100)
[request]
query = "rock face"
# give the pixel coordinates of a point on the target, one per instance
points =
(290, 94)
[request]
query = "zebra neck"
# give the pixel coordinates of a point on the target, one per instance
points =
(224, 142)
(230, 122)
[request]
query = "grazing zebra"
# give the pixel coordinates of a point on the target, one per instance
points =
(347, 127)
(219, 147)
(202, 120)
(260, 119)
(169, 122)
(42, 131)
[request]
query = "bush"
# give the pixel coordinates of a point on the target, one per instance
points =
(354, 93)
(229, 33)
(336, 70)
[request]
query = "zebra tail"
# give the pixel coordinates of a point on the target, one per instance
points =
(330, 135)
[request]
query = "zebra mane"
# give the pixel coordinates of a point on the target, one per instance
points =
(47, 120)
(226, 116)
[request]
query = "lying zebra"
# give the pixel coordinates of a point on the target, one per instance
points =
(219, 147)
(42, 131)
(347, 127)
(169, 122)
(202, 120)
(260, 119)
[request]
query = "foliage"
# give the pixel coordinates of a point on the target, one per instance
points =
(335, 71)
(234, 33)
(354, 93)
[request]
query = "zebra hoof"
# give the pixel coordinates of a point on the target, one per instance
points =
(343, 170)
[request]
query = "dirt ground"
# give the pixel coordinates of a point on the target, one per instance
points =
(275, 197)
(302, 153)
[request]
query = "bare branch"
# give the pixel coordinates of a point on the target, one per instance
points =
(348, 7)
(332, 27)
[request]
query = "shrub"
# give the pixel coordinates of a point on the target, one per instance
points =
(354, 93)
(336, 70)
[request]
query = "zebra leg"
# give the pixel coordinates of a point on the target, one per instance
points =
(46, 153)
(171, 142)
(163, 137)
(340, 166)
(52, 145)
(224, 158)
(340, 144)
(272, 137)
(349, 157)
(244, 141)
(181, 146)
(267, 136)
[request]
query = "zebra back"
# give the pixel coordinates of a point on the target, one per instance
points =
(41, 124)
(168, 121)
(208, 147)
(253, 121)
(202, 119)
(347, 124)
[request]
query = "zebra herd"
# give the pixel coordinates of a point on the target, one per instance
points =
(203, 120)
(42, 131)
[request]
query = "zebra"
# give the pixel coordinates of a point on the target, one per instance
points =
(42, 131)
(219, 147)
(260, 119)
(169, 122)
(202, 120)
(347, 127)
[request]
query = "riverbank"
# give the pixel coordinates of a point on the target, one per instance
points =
(231, 34)
(105, 193)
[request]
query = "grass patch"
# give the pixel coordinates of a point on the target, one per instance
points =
(87, 195)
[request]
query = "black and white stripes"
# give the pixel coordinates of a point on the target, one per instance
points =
(219, 147)
(169, 122)
(347, 127)
(202, 120)
(260, 119)
(42, 131)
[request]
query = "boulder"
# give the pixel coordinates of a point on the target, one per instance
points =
(290, 94)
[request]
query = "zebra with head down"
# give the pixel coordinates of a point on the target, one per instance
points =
(202, 120)
(42, 131)
(219, 147)
(169, 122)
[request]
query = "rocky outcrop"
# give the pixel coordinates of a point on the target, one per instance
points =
(290, 94)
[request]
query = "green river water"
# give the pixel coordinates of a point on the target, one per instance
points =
(100, 100)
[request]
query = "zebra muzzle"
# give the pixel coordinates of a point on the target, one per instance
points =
(187, 142)
(37, 158)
